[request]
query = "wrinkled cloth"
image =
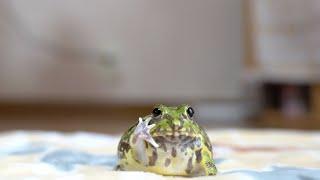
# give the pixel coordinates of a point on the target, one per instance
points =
(239, 154)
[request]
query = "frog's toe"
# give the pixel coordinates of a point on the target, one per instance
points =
(117, 168)
(142, 131)
(211, 168)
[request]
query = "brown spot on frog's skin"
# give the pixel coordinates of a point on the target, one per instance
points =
(182, 137)
(187, 139)
(161, 141)
(188, 142)
(208, 144)
(121, 155)
(124, 147)
(198, 155)
(189, 166)
(192, 146)
(181, 126)
(163, 146)
(210, 164)
(136, 160)
(167, 162)
(173, 152)
(117, 168)
(173, 137)
(153, 158)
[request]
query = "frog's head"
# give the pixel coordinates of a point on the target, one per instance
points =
(172, 123)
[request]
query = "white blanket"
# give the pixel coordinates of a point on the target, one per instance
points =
(239, 154)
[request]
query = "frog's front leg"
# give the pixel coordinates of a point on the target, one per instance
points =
(208, 164)
(142, 132)
(210, 168)
(141, 135)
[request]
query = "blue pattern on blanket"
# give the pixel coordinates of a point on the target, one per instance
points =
(219, 160)
(66, 159)
(283, 173)
(24, 149)
(30, 149)
(43, 155)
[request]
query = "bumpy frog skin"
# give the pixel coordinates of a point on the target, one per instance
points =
(167, 142)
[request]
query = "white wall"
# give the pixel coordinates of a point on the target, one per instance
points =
(162, 49)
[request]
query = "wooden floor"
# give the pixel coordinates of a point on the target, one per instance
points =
(111, 119)
(69, 117)
(102, 118)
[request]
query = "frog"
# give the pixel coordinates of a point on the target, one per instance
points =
(169, 142)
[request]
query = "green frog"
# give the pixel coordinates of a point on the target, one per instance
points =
(167, 142)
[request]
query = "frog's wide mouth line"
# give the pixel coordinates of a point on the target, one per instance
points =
(170, 138)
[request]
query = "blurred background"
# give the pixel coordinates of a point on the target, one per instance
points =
(99, 65)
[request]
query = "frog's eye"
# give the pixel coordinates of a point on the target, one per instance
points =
(156, 112)
(190, 111)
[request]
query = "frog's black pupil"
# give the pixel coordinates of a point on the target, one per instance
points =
(156, 112)
(190, 111)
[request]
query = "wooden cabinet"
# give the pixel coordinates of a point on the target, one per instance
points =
(283, 46)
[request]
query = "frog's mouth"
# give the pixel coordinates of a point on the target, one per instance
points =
(174, 137)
